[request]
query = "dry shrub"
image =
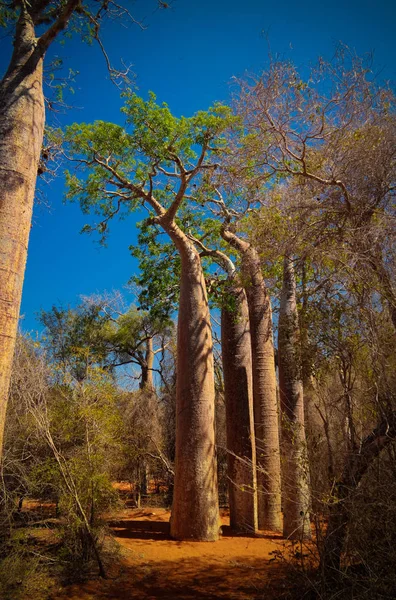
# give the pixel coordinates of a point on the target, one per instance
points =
(24, 570)
(370, 550)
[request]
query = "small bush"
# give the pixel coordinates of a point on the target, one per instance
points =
(24, 570)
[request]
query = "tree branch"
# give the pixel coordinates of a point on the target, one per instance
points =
(220, 257)
(61, 22)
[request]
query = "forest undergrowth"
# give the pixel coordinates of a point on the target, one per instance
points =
(141, 559)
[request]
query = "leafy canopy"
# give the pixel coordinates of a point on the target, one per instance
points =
(119, 168)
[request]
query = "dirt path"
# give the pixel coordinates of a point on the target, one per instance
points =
(154, 566)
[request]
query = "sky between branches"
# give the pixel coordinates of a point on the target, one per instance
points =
(187, 55)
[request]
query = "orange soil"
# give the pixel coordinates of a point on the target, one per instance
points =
(155, 566)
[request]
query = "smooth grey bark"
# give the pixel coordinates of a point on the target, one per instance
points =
(295, 472)
(146, 382)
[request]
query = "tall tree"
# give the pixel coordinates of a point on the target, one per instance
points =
(264, 384)
(236, 365)
(156, 163)
(238, 393)
(295, 474)
(334, 134)
(231, 202)
(34, 27)
(74, 339)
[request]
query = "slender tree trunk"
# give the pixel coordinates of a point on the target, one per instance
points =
(238, 391)
(264, 387)
(138, 492)
(295, 480)
(144, 477)
(21, 136)
(146, 382)
(195, 510)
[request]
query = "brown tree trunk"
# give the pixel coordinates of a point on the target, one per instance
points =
(21, 136)
(195, 510)
(295, 475)
(238, 391)
(264, 386)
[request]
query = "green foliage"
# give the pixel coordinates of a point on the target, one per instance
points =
(147, 163)
(96, 335)
(122, 168)
(159, 273)
(85, 425)
(74, 338)
(66, 435)
(100, 137)
(160, 136)
(8, 14)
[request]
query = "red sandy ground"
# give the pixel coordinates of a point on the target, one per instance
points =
(155, 566)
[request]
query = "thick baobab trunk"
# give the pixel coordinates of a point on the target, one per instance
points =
(238, 391)
(265, 398)
(195, 510)
(21, 136)
(146, 382)
(264, 387)
(295, 474)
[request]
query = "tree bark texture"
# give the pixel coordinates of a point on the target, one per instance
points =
(146, 382)
(21, 136)
(264, 386)
(238, 391)
(295, 472)
(195, 510)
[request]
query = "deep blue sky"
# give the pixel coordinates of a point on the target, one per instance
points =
(187, 56)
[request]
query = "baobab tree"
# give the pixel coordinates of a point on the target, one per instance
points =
(236, 361)
(238, 393)
(295, 473)
(34, 26)
(331, 138)
(156, 163)
(229, 211)
(264, 384)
